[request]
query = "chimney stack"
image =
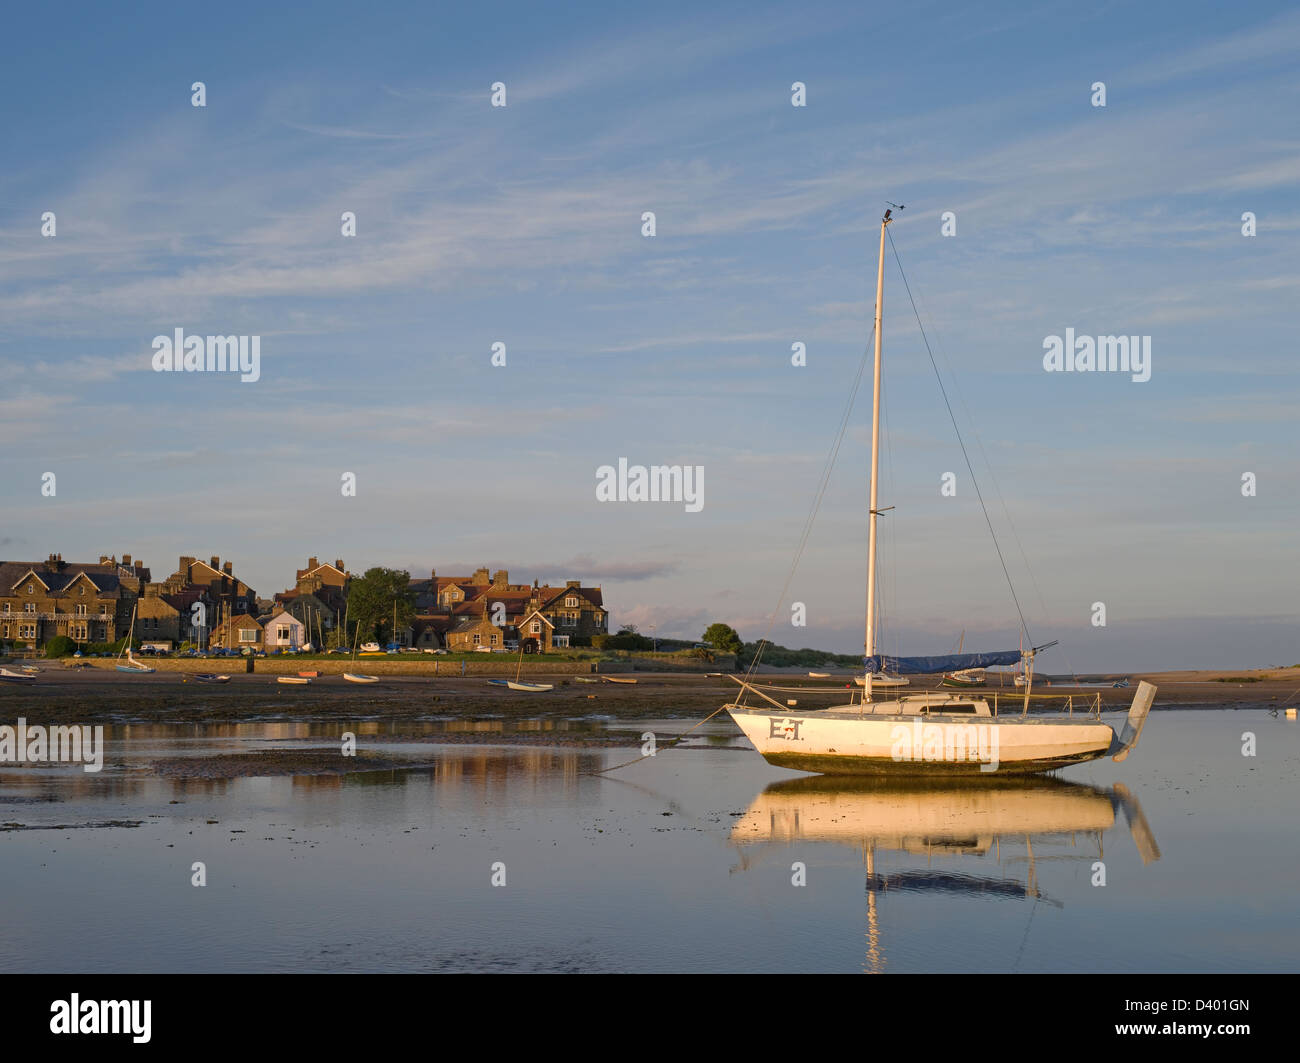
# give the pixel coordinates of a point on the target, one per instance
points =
(214, 561)
(312, 563)
(338, 564)
(228, 568)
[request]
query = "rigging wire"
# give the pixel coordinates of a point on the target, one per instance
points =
(961, 442)
(817, 501)
(803, 542)
(997, 491)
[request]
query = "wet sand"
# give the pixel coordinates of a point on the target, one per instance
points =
(86, 696)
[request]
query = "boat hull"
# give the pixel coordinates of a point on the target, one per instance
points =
(841, 742)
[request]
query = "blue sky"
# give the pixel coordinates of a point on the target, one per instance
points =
(522, 225)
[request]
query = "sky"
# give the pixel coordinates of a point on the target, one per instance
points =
(523, 225)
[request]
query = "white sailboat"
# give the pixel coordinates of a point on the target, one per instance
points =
(932, 733)
(880, 679)
(132, 666)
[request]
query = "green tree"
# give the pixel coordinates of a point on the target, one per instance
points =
(372, 598)
(723, 637)
(60, 646)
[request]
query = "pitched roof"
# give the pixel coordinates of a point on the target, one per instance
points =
(104, 577)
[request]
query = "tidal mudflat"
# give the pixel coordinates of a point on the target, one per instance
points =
(489, 844)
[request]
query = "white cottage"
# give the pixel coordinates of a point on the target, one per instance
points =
(283, 632)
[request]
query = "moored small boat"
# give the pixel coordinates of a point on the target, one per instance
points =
(616, 679)
(16, 677)
(819, 675)
(585, 679)
(360, 677)
(134, 667)
(880, 679)
(297, 680)
(309, 675)
(967, 677)
(531, 688)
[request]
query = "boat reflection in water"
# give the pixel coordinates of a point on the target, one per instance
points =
(1065, 821)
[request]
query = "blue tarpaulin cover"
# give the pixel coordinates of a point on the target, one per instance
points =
(952, 662)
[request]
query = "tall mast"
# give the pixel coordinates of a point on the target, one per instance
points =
(875, 467)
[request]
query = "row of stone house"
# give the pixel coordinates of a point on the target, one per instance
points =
(462, 613)
(206, 602)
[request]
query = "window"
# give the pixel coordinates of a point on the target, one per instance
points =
(79, 631)
(248, 634)
(29, 607)
(478, 639)
(537, 627)
(26, 631)
(6, 609)
(81, 591)
(81, 610)
(282, 632)
(6, 635)
(570, 602)
(31, 588)
(493, 639)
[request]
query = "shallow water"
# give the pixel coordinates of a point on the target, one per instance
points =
(680, 863)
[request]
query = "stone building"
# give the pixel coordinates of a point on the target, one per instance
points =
(87, 602)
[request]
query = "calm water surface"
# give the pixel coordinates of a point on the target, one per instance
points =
(681, 863)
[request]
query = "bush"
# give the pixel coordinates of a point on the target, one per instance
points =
(626, 640)
(60, 646)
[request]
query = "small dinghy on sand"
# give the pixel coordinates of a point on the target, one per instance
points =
(296, 680)
(358, 677)
(211, 677)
